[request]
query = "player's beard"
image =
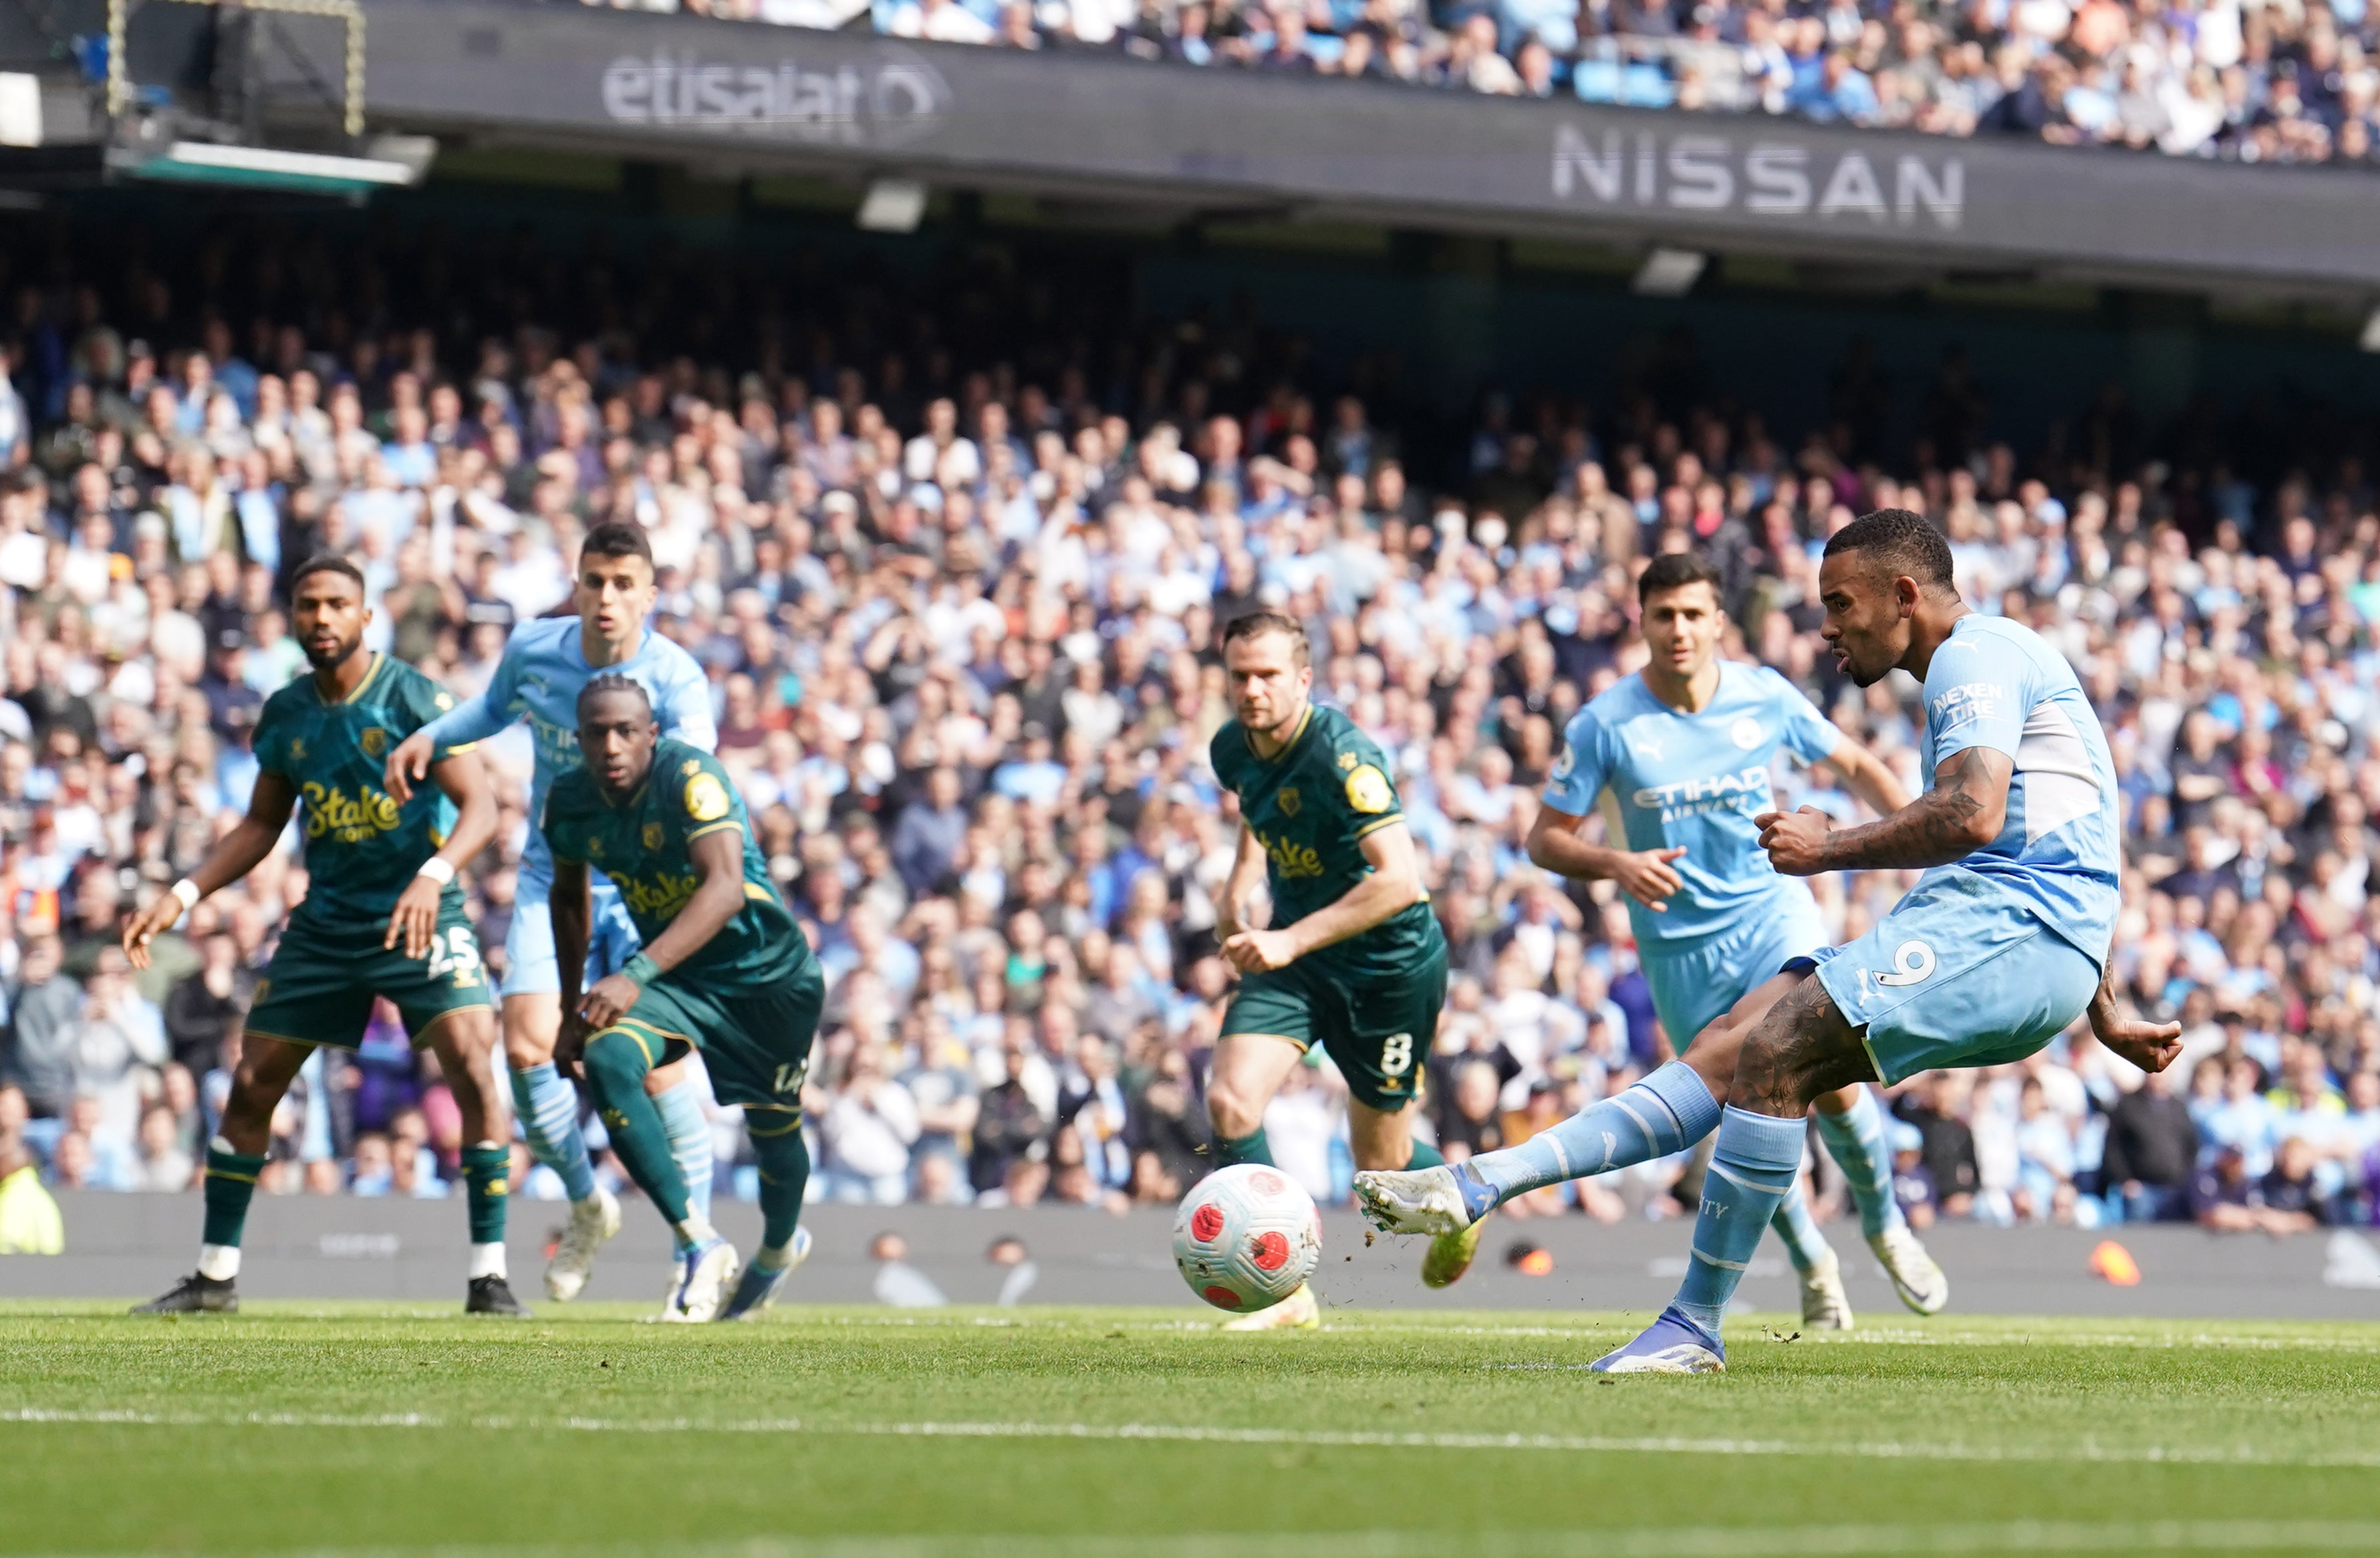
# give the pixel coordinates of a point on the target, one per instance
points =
(344, 650)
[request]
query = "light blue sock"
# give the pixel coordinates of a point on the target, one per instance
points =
(548, 1107)
(1666, 1112)
(1757, 1161)
(1805, 1245)
(689, 1140)
(1855, 1140)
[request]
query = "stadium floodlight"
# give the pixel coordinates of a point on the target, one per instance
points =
(202, 162)
(892, 205)
(1668, 272)
(2370, 339)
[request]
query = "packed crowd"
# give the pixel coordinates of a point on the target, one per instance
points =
(2247, 81)
(958, 586)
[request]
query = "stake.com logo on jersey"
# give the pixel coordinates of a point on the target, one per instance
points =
(1687, 797)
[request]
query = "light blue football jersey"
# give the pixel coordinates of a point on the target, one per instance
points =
(1696, 781)
(538, 679)
(1994, 683)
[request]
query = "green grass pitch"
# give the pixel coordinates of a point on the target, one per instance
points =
(353, 1428)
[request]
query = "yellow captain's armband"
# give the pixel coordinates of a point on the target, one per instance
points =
(1368, 791)
(705, 798)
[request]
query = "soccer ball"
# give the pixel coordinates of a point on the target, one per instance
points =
(1246, 1236)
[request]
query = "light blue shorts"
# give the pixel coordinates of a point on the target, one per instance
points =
(1696, 985)
(1959, 974)
(530, 968)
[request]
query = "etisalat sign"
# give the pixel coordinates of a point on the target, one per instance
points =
(1759, 177)
(886, 97)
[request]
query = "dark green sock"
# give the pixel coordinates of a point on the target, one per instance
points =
(617, 1066)
(1424, 1156)
(784, 1172)
(231, 1181)
(1230, 1150)
(487, 1175)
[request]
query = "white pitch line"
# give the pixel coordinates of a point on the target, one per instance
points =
(1699, 1542)
(2205, 1456)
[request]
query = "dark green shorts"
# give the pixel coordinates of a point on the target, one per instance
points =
(1377, 1030)
(320, 986)
(755, 1043)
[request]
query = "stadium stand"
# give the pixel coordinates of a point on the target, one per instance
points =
(2260, 83)
(956, 544)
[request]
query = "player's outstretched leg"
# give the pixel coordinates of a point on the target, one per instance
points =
(1851, 1124)
(616, 1064)
(784, 1177)
(1666, 1112)
(1450, 1254)
(235, 1160)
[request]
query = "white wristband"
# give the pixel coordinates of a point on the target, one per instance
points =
(437, 871)
(187, 891)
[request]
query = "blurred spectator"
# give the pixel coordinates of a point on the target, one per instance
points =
(2152, 1153)
(29, 1223)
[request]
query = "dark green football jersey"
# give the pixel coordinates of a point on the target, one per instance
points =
(641, 844)
(1311, 808)
(362, 849)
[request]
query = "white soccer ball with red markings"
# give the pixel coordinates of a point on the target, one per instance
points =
(1246, 1236)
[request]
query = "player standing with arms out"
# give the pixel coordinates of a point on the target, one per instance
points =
(382, 917)
(1681, 752)
(724, 969)
(2000, 946)
(1355, 961)
(545, 663)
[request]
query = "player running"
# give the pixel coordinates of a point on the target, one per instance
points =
(724, 969)
(1682, 752)
(1355, 962)
(2001, 947)
(545, 663)
(382, 917)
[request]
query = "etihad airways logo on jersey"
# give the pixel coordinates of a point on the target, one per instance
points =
(1689, 795)
(659, 897)
(331, 811)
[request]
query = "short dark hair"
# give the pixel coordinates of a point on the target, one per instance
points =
(616, 538)
(1905, 543)
(325, 563)
(1256, 623)
(1675, 570)
(613, 681)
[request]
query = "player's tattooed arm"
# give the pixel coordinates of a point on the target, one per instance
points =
(1961, 814)
(567, 904)
(2152, 1046)
(1393, 885)
(1644, 875)
(463, 780)
(240, 852)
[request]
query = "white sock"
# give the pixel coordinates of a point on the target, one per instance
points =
(488, 1261)
(695, 1230)
(219, 1262)
(773, 1257)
